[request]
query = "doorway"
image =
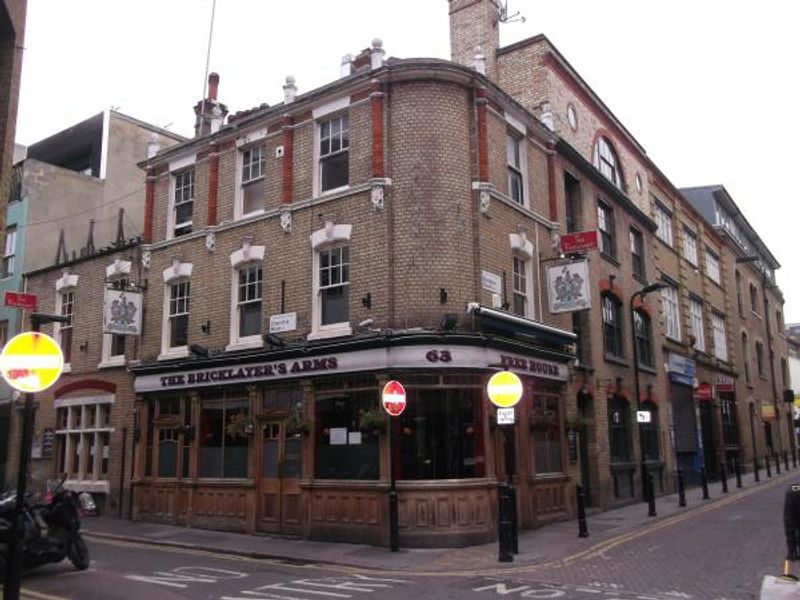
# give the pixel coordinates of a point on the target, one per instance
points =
(279, 480)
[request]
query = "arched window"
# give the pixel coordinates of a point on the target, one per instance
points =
(650, 446)
(612, 326)
(605, 160)
(619, 430)
(643, 332)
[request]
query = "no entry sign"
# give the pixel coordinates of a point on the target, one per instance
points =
(504, 389)
(31, 362)
(394, 398)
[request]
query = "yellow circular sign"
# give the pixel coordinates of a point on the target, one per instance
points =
(31, 361)
(504, 389)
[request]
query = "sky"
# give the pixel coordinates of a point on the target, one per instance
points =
(710, 88)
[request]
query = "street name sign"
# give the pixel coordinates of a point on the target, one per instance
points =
(20, 300)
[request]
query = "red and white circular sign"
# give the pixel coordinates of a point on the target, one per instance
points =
(394, 398)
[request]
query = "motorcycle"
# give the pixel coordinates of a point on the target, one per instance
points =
(50, 529)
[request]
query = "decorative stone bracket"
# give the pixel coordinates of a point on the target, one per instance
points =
(146, 256)
(286, 220)
(377, 192)
(484, 195)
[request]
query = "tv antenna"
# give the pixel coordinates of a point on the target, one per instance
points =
(517, 17)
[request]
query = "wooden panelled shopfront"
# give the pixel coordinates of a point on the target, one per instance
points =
(296, 442)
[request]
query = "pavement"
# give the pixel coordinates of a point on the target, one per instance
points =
(548, 545)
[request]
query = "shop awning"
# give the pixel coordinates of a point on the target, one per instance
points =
(521, 328)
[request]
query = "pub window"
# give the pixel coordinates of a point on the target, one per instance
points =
(440, 434)
(251, 192)
(612, 326)
(637, 253)
(746, 358)
(520, 286)
(66, 308)
(182, 202)
(224, 436)
(605, 223)
(546, 437)
(643, 331)
(346, 446)
(514, 158)
(179, 314)
(605, 160)
(83, 436)
(9, 250)
(619, 429)
(249, 300)
(330, 281)
(572, 197)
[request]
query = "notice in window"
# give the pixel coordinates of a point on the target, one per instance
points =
(354, 438)
(338, 436)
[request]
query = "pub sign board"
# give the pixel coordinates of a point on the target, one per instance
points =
(122, 312)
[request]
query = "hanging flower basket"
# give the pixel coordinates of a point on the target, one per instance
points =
(543, 420)
(372, 420)
(240, 426)
(297, 425)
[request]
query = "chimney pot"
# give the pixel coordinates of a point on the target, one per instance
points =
(347, 65)
(376, 54)
(213, 85)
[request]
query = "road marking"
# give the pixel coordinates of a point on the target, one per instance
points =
(180, 577)
(357, 584)
(545, 590)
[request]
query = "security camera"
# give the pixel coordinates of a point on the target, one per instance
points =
(366, 323)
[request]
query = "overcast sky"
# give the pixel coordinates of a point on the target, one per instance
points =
(710, 88)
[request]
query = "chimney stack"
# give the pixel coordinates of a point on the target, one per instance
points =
(473, 24)
(209, 112)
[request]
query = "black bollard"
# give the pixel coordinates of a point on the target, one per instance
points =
(756, 475)
(786, 459)
(724, 468)
(583, 530)
(777, 463)
(704, 482)
(504, 523)
(737, 466)
(514, 527)
(651, 496)
(766, 461)
(681, 491)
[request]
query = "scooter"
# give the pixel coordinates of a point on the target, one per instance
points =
(50, 530)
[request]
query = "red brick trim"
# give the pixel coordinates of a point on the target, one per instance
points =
(606, 287)
(483, 136)
(638, 304)
(377, 135)
(85, 384)
(287, 190)
(149, 200)
(213, 185)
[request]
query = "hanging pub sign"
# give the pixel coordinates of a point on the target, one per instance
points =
(568, 287)
(122, 312)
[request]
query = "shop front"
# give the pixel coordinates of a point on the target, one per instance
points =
(295, 441)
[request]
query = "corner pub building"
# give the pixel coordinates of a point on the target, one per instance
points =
(389, 225)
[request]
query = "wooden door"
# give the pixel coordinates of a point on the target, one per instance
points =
(279, 482)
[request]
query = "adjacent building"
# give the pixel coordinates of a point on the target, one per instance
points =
(76, 195)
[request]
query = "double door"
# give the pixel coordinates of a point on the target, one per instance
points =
(279, 481)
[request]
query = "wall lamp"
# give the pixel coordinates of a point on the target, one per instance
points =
(206, 327)
(366, 301)
(198, 350)
(274, 341)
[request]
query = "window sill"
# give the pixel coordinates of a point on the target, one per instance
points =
(640, 278)
(332, 191)
(609, 258)
(648, 369)
(331, 331)
(88, 485)
(247, 343)
(615, 359)
(254, 214)
(116, 361)
(179, 352)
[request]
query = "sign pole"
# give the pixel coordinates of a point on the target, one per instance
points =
(13, 580)
(393, 399)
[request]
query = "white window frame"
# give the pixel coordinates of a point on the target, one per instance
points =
(606, 160)
(522, 249)
(696, 323)
(518, 133)
(76, 409)
(244, 257)
(242, 182)
(672, 317)
(9, 252)
(66, 284)
(690, 245)
(178, 167)
(720, 339)
(321, 240)
(712, 266)
(664, 222)
(178, 272)
(322, 113)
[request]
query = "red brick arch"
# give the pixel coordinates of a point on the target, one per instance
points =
(85, 384)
